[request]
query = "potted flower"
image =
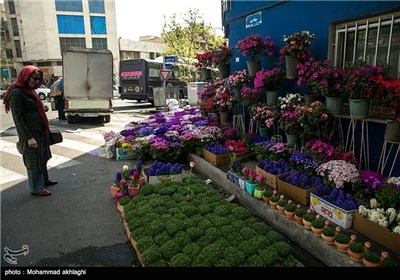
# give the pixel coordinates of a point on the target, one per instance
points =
(221, 57)
(216, 154)
(391, 109)
(204, 62)
(270, 80)
(314, 120)
(254, 46)
(251, 182)
(342, 240)
(337, 173)
(250, 96)
(263, 116)
(328, 234)
(361, 84)
(308, 218)
(237, 80)
(273, 199)
(260, 189)
(295, 50)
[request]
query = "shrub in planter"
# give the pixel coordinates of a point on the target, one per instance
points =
(284, 250)
(290, 207)
(170, 249)
(342, 238)
(180, 260)
(151, 255)
(300, 212)
(371, 256)
(328, 231)
(318, 223)
(356, 247)
(124, 200)
(309, 217)
(388, 263)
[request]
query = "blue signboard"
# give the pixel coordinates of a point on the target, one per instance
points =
(170, 59)
(168, 66)
(254, 20)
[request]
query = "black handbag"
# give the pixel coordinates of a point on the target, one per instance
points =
(55, 137)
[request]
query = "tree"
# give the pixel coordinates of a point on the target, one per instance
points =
(187, 39)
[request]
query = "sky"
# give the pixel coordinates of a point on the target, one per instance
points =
(146, 17)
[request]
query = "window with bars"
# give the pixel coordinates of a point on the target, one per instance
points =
(374, 41)
(99, 43)
(96, 6)
(72, 42)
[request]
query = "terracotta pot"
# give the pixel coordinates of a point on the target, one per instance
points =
(330, 240)
(298, 219)
(273, 204)
(132, 191)
(369, 264)
(316, 231)
(266, 199)
(357, 257)
(281, 209)
(290, 215)
(114, 190)
(342, 247)
(307, 224)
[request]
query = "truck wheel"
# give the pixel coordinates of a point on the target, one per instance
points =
(107, 119)
(42, 96)
(72, 119)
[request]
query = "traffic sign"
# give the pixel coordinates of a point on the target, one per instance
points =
(168, 66)
(169, 59)
(164, 73)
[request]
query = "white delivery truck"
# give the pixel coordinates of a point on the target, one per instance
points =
(88, 83)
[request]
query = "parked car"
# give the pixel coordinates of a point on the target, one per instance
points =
(43, 92)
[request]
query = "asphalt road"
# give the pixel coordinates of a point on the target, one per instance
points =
(78, 225)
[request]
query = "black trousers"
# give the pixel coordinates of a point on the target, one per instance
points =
(59, 100)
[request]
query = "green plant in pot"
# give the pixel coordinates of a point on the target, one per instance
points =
(299, 213)
(317, 225)
(281, 204)
(342, 240)
(308, 218)
(273, 199)
(328, 234)
(355, 251)
(267, 194)
(370, 258)
(290, 208)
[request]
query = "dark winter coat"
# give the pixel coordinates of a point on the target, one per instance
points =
(29, 125)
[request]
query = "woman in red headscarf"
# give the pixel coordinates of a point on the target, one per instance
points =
(29, 115)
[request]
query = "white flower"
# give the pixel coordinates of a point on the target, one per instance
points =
(373, 203)
(397, 230)
(394, 180)
(391, 214)
(125, 168)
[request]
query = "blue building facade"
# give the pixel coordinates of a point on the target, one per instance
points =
(346, 32)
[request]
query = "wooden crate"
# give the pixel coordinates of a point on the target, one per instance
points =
(271, 179)
(216, 160)
(293, 192)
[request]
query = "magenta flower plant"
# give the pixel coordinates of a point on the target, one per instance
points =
(238, 79)
(254, 46)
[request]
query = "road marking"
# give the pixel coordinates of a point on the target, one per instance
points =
(8, 175)
(57, 161)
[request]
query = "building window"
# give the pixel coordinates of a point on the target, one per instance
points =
(374, 41)
(99, 43)
(70, 24)
(14, 26)
(98, 25)
(18, 51)
(125, 55)
(96, 6)
(43, 64)
(69, 5)
(9, 53)
(72, 42)
(11, 7)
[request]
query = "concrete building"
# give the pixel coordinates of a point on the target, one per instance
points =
(39, 31)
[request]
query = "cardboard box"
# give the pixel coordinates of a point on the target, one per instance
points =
(377, 233)
(271, 179)
(122, 154)
(153, 180)
(339, 216)
(300, 195)
(216, 160)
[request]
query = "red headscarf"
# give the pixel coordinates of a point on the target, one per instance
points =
(21, 83)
